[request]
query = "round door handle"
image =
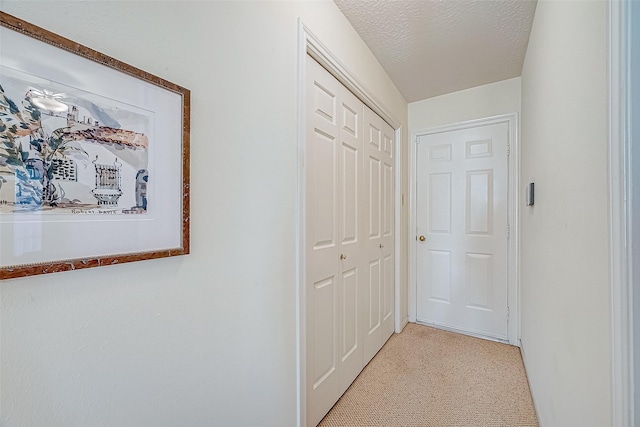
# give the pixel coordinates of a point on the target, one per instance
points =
(343, 256)
(422, 238)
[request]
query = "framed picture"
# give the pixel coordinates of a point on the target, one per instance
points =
(94, 157)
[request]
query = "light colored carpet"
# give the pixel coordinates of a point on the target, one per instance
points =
(429, 377)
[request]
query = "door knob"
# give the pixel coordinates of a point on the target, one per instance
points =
(343, 256)
(381, 246)
(422, 238)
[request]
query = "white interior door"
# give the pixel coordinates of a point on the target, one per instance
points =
(334, 159)
(350, 236)
(349, 249)
(461, 220)
(379, 234)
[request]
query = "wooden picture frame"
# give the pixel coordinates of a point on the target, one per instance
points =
(94, 157)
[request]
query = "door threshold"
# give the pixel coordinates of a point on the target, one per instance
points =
(463, 332)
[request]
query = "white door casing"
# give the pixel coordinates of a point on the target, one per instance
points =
(622, 170)
(464, 203)
(349, 287)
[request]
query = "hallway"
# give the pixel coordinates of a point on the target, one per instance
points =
(429, 377)
(217, 337)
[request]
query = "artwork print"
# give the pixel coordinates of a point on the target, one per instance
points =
(94, 157)
(67, 151)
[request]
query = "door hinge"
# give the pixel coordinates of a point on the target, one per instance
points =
(508, 231)
(508, 313)
(508, 149)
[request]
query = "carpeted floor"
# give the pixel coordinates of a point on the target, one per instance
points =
(428, 377)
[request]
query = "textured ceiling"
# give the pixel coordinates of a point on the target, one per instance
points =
(433, 47)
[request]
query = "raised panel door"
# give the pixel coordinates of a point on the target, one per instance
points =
(351, 228)
(461, 211)
(324, 237)
(349, 222)
(379, 188)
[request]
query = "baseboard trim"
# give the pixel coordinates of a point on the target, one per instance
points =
(405, 322)
(526, 372)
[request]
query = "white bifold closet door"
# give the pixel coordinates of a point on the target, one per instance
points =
(349, 249)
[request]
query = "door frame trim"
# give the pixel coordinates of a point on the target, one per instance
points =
(513, 256)
(620, 175)
(310, 44)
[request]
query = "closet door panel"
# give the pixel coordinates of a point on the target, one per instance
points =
(350, 265)
(322, 287)
(348, 219)
(379, 241)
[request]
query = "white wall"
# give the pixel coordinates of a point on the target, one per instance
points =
(479, 102)
(206, 339)
(565, 301)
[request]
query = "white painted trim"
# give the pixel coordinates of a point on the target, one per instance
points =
(301, 343)
(513, 253)
(513, 282)
(309, 44)
(413, 230)
(619, 167)
(398, 321)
